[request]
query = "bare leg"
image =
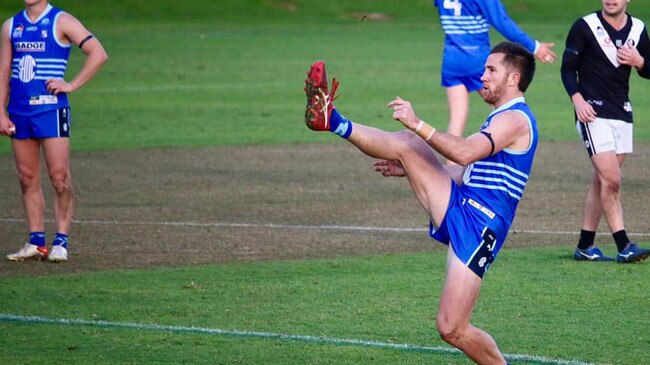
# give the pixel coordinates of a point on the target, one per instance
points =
(458, 104)
(431, 183)
(457, 301)
(26, 155)
(428, 178)
(603, 196)
(57, 158)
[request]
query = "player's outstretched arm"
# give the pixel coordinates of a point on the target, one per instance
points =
(544, 52)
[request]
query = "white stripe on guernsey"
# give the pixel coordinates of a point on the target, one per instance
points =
(500, 182)
(447, 27)
(455, 25)
(46, 60)
(49, 72)
(466, 32)
(502, 173)
(494, 187)
(495, 164)
(56, 67)
(295, 226)
(463, 17)
(273, 336)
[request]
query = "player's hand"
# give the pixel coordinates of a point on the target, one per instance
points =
(57, 86)
(585, 112)
(628, 55)
(7, 127)
(545, 54)
(403, 112)
(389, 168)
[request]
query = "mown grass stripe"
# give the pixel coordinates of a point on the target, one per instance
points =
(5, 317)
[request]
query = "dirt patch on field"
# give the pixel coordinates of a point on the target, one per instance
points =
(172, 207)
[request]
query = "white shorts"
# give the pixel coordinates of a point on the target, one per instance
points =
(603, 135)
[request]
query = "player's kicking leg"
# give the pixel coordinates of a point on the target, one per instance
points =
(428, 178)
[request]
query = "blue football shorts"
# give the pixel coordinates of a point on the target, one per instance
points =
(471, 82)
(50, 124)
(475, 233)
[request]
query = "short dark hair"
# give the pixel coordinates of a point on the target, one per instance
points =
(519, 58)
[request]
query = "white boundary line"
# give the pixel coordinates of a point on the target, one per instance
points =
(300, 226)
(4, 317)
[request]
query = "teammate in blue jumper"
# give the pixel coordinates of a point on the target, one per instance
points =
(34, 49)
(601, 50)
(470, 205)
(466, 24)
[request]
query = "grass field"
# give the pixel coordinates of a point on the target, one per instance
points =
(230, 73)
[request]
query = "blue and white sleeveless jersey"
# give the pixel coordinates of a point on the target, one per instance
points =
(37, 55)
(497, 182)
(467, 33)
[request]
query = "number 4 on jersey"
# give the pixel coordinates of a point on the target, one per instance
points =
(455, 5)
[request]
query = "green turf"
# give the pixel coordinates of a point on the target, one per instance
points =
(231, 72)
(535, 301)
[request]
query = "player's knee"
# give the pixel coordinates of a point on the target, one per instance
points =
(611, 185)
(410, 142)
(449, 331)
(61, 182)
(28, 179)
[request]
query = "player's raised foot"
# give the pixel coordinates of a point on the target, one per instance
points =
(29, 252)
(632, 253)
(320, 100)
(592, 253)
(58, 254)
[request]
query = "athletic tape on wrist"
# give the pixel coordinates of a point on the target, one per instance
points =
(424, 130)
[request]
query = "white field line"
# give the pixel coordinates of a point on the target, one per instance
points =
(92, 222)
(273, 336)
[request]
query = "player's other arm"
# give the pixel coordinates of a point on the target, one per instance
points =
(6, 125)
(638, 57)
(575, 45)
(501, 21)
(70, 30)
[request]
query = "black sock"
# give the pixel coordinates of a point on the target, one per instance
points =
(586, 239)
(621, 239)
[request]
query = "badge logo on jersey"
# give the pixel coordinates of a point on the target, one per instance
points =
(30, 46)
(18, 31)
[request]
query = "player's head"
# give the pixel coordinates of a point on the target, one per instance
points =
(614, 8)
(518, 61)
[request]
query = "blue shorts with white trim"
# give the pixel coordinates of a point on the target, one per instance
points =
(50, 124)
(476, 234)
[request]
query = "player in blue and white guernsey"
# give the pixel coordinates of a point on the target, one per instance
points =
(472, 204)
(602, 48)
(466, 24)
(34, 49)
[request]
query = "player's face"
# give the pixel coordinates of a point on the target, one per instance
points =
(34, 2)
(495, 79)
(614, 8)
